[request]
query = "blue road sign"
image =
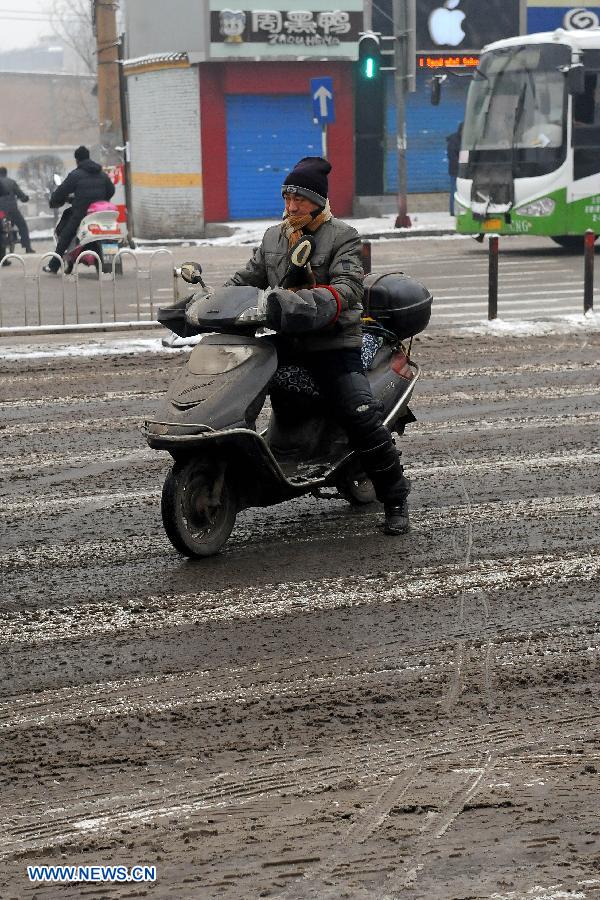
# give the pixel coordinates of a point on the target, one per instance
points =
(321, 90)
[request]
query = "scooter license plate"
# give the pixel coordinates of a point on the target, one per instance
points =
(109, 249)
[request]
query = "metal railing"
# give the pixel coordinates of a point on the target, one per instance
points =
(27, 292)
(589, 240)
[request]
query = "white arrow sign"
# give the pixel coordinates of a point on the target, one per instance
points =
(323, 95)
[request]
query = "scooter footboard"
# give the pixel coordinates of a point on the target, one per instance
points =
(252, 468)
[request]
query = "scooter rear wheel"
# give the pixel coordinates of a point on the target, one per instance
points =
(198, 508)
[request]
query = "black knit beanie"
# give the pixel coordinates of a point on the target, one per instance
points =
(81, 153)
(309, 179)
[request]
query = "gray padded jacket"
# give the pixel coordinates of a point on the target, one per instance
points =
(336, 261)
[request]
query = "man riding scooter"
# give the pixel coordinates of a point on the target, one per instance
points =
(331, 347)
(87, 184)
(10, 192)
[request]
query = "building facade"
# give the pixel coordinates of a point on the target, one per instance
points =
(449, 37)
(220, 103)
(221, 107)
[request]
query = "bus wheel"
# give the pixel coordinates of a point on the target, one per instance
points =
(569, 241)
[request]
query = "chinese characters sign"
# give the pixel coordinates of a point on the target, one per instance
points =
(237, 32)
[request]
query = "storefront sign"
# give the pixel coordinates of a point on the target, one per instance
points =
(466, 25)
(238, 33)
(547, 15)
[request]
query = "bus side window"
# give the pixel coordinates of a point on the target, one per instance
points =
(586, 129)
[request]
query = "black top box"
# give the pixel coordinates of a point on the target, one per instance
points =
(398, 302)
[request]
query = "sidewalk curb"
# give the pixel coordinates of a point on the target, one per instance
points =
(371, 236)
(409, 233)
(78, 328)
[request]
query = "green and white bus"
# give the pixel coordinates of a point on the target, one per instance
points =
(530, 156)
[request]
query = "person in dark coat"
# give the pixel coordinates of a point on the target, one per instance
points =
(86, 184)
(453, 142)
(321, 322)
(10, 192)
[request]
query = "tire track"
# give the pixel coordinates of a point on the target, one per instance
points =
(492, 575)
(399, 881)
(84, 400)
(390, 769)
(161, 694)
(35, 461)
(513, 394)
(534, 507)
(83, 553)
(498, 395)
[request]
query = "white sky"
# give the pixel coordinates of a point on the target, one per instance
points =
(23, 22)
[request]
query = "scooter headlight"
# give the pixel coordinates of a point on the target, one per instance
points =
(545, 206)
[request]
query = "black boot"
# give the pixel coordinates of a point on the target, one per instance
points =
(392, 488)
(396, 518)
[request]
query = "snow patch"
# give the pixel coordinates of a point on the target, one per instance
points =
(252, 231)
(92, 348)
(589, 321)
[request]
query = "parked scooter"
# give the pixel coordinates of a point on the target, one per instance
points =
(9, 236)
(99, 231)
(5, 237)
(207, 421)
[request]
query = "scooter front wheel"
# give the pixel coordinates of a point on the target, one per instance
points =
(198, 507)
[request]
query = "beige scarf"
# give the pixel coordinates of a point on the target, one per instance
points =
(292, 225)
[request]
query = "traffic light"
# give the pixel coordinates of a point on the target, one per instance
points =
(369, 55)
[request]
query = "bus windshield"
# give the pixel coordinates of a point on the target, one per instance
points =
(517, 106)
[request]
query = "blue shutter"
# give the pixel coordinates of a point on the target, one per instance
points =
(266, 136)
(427, 127)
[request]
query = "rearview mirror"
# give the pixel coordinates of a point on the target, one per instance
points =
(191, 272)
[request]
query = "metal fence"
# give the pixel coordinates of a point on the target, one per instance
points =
(103, 299)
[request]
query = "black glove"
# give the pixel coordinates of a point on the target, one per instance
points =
(297, 312)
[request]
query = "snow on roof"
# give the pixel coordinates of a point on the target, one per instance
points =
(153, 59)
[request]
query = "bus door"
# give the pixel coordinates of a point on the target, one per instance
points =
(586, 130)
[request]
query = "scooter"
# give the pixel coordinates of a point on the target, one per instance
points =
(100, 232)
(208, 419)
(5, 237)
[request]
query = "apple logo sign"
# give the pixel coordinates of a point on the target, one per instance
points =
(445, 24)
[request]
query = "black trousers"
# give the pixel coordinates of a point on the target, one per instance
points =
(8, 204)
(347, 395)
(66, 230)
(19, 220)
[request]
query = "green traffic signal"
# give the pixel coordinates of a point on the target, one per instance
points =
(369, 55)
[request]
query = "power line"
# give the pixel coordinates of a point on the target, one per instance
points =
(27, 15)
(11, 17)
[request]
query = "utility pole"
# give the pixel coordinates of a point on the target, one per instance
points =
(404, 29)
(109, 99)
